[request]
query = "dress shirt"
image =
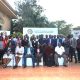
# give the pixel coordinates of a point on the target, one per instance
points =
(28, 51)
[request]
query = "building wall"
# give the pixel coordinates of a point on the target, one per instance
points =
(6, 21)
(7, 24)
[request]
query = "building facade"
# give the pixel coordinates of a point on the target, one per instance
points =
(6, 14)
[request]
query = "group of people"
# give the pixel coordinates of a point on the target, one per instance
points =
(49, 48)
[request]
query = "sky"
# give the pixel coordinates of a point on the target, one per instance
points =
(68, 10)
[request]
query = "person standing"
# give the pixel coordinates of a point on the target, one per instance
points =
(73, 44)
(24, 43)
(1, 49)
(78, 48)
(39, 54)
(66, 44)
(30, 54)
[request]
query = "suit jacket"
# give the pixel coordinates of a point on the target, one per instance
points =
(41, 41)
(45, 40)
(51, 42)
(60, 40)
(55, 42)
(78, 43)
(73, 43)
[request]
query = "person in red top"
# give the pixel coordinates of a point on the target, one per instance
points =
(5, 41)
(49, 52)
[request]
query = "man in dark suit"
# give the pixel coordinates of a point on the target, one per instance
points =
(59, 40)
(73, 44)
(55, 40)
(78, 48)
(50, 40)
(41, 40)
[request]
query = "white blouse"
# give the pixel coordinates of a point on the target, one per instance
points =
(19, 50)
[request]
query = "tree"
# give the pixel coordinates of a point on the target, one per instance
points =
(31, 16)
(66, 30)
(51, 24)
(63, 27)
(17, 25)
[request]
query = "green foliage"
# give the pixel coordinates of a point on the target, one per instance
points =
(66, 30)
(63, 27)
(17, 26)
(31, 16)
(17, 34)
(51, 24)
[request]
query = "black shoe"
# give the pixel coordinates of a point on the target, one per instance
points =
(13, 67)
(33, 66)
(70, 60)
(56, 65)
(75, 61)
(24, 66)
(4, 66)
(65, 65)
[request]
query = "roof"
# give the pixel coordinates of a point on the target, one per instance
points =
(7, 9)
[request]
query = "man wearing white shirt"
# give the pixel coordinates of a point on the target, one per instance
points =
(60, 52)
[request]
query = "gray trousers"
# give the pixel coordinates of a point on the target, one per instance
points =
(56, 56)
